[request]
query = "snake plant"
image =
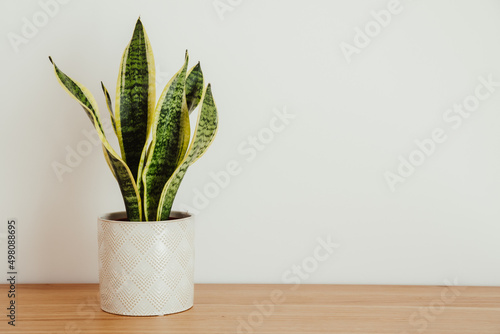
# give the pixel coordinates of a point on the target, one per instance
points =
(154, 137)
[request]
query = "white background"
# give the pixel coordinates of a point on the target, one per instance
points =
(322, 175)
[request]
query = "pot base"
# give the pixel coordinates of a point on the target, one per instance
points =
(147, 315)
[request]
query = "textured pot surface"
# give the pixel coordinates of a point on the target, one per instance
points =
(146, 268)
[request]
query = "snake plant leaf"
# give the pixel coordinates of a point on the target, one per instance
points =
(118, 167)
(144, 154)
(204, 135)
(194, 87)
(109, 105)
(135, 97)
(128, 188)
(170, 139)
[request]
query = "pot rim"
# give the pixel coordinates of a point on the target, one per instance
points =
(111, 217)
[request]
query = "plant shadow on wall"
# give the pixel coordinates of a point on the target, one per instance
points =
(146, 255)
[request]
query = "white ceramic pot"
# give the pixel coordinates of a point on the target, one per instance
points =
(146, 268)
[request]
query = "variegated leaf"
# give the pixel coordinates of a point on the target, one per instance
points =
(204, 135)
(170, 138)
(118, 167)
(194, 87)
(109, 105)
(135, 97)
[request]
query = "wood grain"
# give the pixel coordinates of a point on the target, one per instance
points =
(225, 308)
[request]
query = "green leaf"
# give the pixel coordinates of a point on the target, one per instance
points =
(145, 153)
(194, 87)
(127, 185)
(118, 167)
(205, 132)
(135, 97)
(170, 138)
(109, 105)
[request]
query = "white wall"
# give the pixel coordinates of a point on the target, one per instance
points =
(321, 176)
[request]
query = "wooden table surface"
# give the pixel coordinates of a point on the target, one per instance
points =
(225, 308)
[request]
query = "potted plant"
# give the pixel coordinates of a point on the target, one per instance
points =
(146, 253)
